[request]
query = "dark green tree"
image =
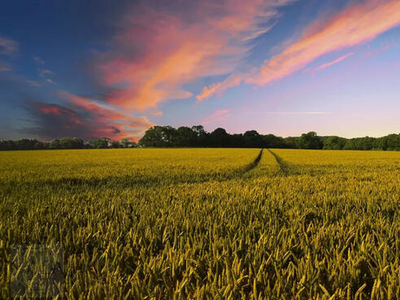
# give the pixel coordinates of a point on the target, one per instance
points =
(219, 138)
(334, 143)
(252, 139)
(272, 141)
(185, 137)
(100, 143)
(310, 140)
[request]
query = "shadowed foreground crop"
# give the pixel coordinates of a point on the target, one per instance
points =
(200, 223)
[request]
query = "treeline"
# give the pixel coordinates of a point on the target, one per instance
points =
(64, 143)
(196, 136)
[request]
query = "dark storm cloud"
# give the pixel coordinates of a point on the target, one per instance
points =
(50, 121)
(80, 117)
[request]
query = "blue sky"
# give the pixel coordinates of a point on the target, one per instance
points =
(114, 68)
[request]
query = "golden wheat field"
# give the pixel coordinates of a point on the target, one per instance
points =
(200, 224)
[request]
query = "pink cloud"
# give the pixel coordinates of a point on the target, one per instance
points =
(289, 113)
(328, 64)
(157, 52)
(8, 46)
(157, 113)
(350, 27)
(232, 81)
(107, 120)
(218, 116)
(379, 50)
(50, 109)
(44, 73)
(354, 25)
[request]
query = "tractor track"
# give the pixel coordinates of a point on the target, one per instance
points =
(283, 166)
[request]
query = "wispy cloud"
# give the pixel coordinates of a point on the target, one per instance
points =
(356, 24)
(350, 27)
(38, 60)
(328, 64)
(289, 113)
(158, 51)
(217, 116)
(371, 53)
(45, 73)
(157, 113)
(4, 67)
(232, 81)
(7, 46)
(50, 81)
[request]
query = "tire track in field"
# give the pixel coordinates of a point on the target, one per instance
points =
(254, 164)
(283, 166)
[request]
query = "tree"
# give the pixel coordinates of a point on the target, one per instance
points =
(55, 144)
(185, 137)
(219, 138)
(334, 143)
(201, 136)
(7, 145)
(272, 141)
(365, 143)
(310, 140)
(100, 143)
(237, 140)
(252, 139)
(390, 142)
(71, 143)
(26, 144)
(115, 144)
(291, 142)
(158, 136)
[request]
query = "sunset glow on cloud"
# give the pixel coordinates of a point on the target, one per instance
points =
(348, 28)
(8, 46)
(50, 109)
(128, 65)
(170, 51)
(217, 116)
(108, 120)
(328, 64)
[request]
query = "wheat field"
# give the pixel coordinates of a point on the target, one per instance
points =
(200, 224)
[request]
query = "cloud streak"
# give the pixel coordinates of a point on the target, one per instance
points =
(356, 24)
(8, 47)
(38, 60)
(151, 61)
(218, 88)
(378, 51)
(329, 64)
(290, 113)
(217, 116)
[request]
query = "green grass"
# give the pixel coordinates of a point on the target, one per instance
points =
(204, 223)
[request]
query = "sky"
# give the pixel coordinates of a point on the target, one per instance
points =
(99, 68)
